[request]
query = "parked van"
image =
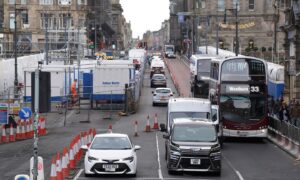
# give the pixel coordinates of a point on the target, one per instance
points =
(193, 108)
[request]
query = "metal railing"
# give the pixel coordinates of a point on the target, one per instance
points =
(285, 129)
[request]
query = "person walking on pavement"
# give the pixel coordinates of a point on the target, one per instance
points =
(74, 92)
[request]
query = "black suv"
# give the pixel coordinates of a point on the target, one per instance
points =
(192, 146)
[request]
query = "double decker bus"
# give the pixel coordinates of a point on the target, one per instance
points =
(239, 86)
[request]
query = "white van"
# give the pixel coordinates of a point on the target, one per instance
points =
(193, 108)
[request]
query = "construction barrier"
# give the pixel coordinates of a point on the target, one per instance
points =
(23, 130)
(62, 166)
(285, 135)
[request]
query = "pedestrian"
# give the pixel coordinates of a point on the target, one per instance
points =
(284, 113)
(74, 92)
(11, 121)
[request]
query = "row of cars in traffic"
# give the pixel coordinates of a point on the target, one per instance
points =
(191, 143)
(190, 133)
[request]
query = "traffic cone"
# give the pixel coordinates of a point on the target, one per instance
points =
(79, 147)
(23, 133)
(65, 169)
(110, 128)
(136, 129)
(3, 136)
(53, 169)
(148, 128)
(155, 126)
(59, 173)
(76, 149)
(18, 134)
(12, 137)
(27, 133)
(72, 162)
(42, 125)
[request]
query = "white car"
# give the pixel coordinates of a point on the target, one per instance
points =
(161, 96)
(110, 153)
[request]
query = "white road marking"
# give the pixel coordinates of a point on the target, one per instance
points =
(158, 159)
(78, 174)
(235, 170)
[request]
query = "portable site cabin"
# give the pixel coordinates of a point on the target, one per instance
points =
(110, 78)
(61, 78)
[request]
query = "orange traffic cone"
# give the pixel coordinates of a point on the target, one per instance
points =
(23, 133)
(72, 162)
(12, 137)
(148, 128)
(3, 136)
(53, 169)
(136, 129)
(94, 132)
(65, 169)
(59, 173)
(110, 128)
(42, 126)
(155, 126)
(79, 147)
(18, 134)
(27, 133)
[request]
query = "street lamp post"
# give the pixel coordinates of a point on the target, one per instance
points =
(15, 55)
(236, 27)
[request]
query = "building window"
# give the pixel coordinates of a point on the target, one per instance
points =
(12, 20)
(200, 4)
(64, 2)
(65, 21)
(234, 2)
(46, 2)
(251, 5)
(81, 2)
(49, 20)
(11, 1)
(24, 16)
(221, 5)
(23, 2)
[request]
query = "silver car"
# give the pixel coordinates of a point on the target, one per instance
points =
(161, 96)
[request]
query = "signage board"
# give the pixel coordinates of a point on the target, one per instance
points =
(25, 113)
(3, 113)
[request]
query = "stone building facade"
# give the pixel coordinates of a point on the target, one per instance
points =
(258, 25)
(61, 18)
(292, 47)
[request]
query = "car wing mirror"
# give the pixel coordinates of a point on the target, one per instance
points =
(137, 147)
(163, 127)
(166, 136)
(84, 147)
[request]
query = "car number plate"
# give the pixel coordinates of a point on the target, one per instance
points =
(110, 167)
(242, 134)
(195, 161)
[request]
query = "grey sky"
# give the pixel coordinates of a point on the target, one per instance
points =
(145, 14)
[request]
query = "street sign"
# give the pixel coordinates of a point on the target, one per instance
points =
(22, 177)
(3, 113)
(14, 108)
(25, 113)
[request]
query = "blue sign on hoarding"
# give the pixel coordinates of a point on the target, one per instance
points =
(25, 113)
(3, 113)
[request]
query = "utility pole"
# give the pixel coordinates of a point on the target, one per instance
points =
(46, 39)
(236, 27)
(95, 45)
(276, 18)
(217, 32)
(16, 56)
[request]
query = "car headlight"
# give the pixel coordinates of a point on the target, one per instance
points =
(174, 150)
(91, 158)
(215, 149)
(130, 159)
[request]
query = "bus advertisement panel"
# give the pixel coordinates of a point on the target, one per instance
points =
(243, 97)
